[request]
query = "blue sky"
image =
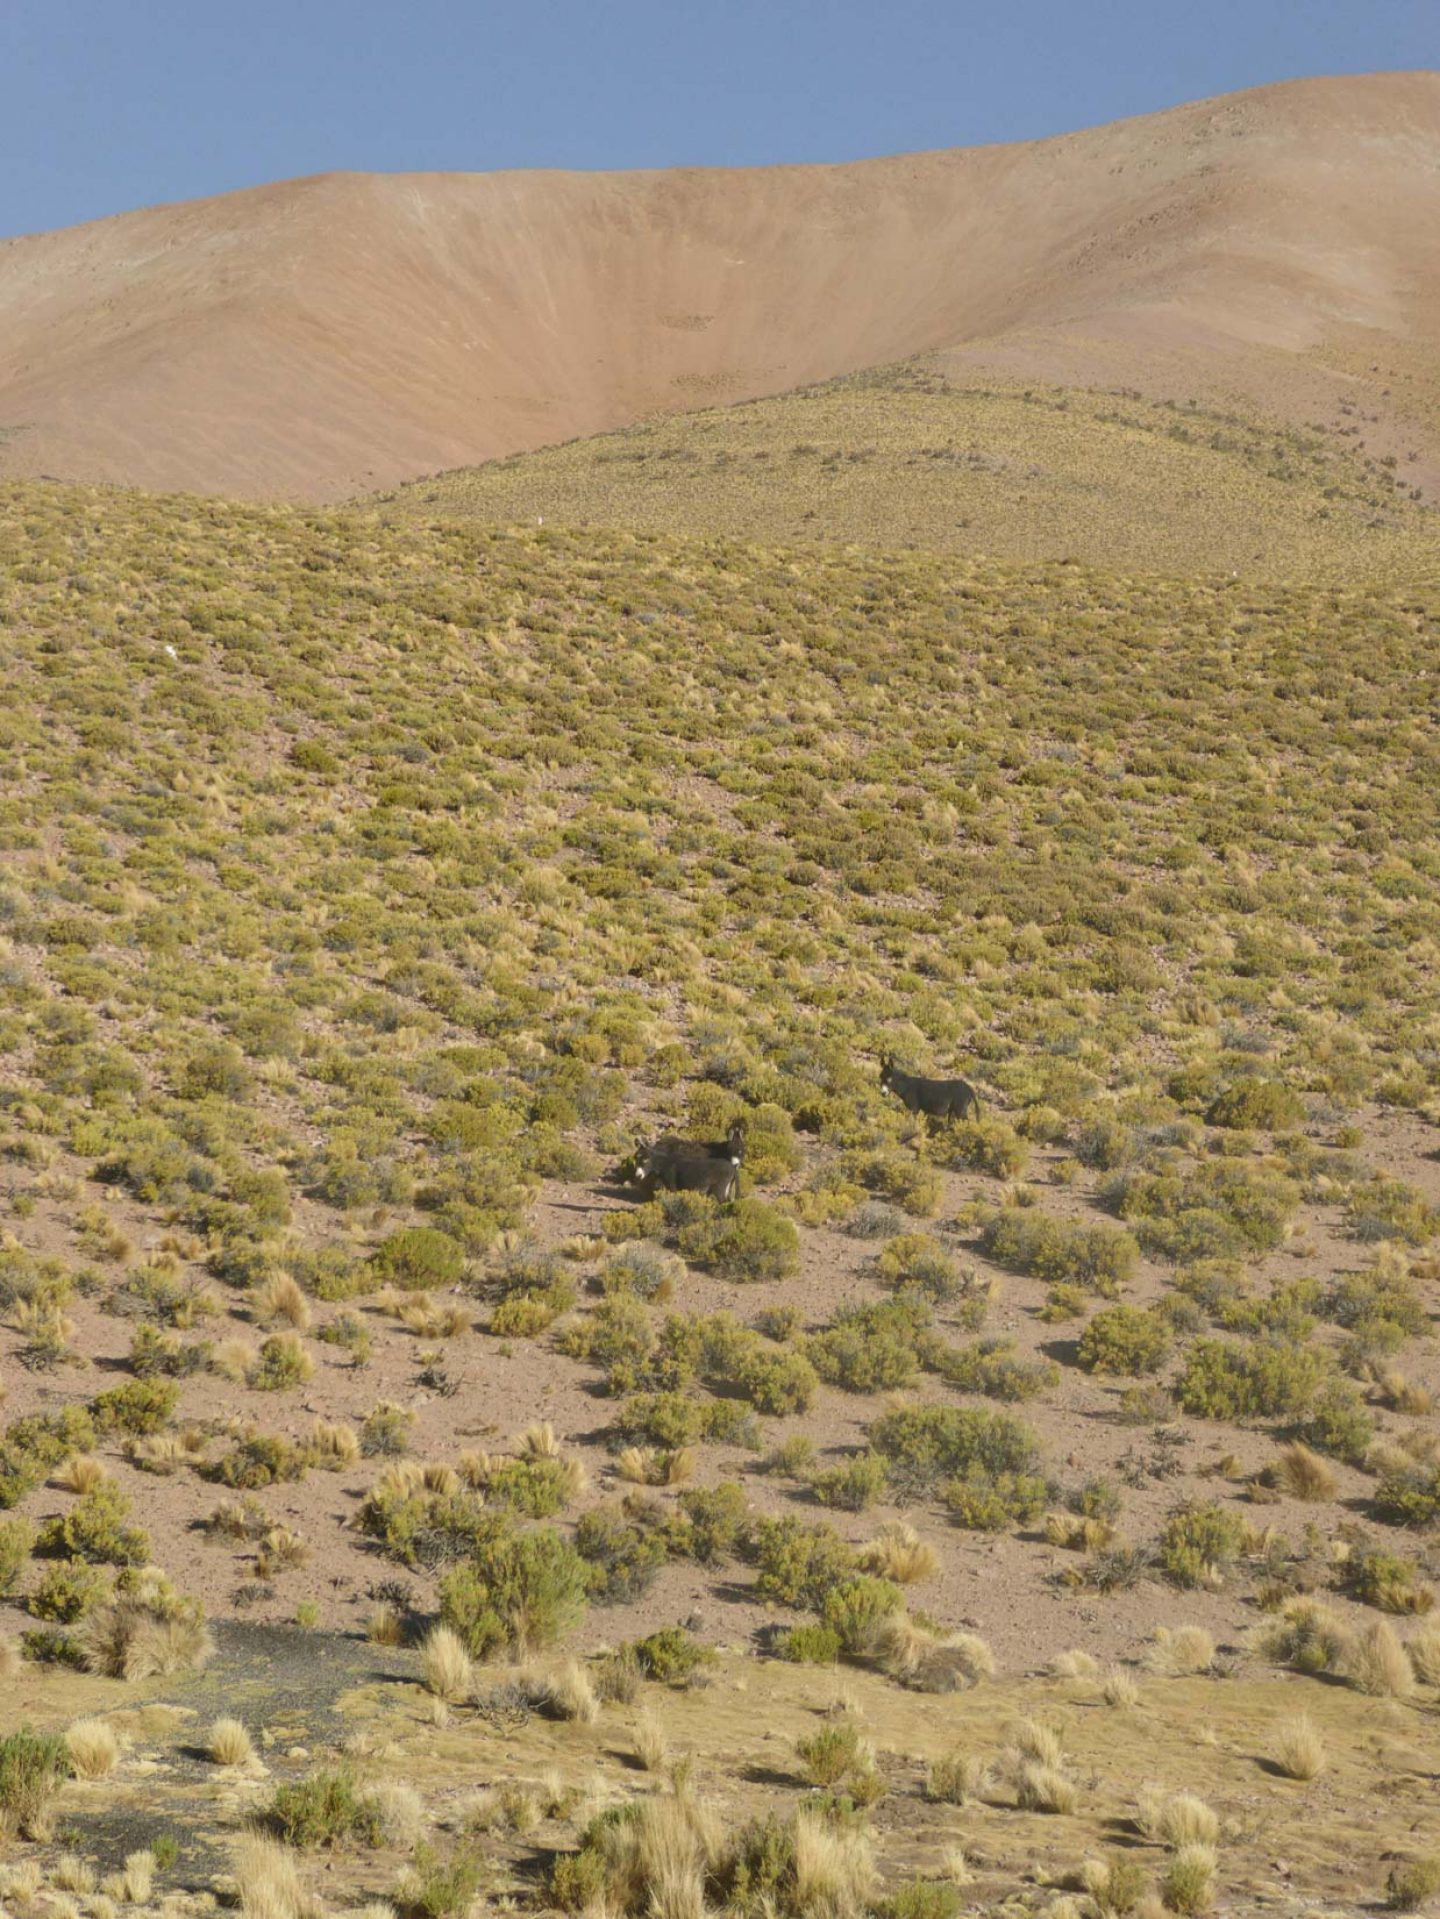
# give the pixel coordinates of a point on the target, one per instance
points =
(109, 104)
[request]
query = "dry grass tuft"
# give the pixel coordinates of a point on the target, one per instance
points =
(385, 1626)
(268, 1877)
(333, 1445)
(1404, 1395)
(135, 1882)
(233, 1359)
(1180, 1651)
(1075, 1664)
(1044, 1788)
(569, 1694)
(1121, 1688)
(446, 1666)
(134, 1637)
(897, 1552)
(1178, 1819)
(70, 1873)
(1031, 1739)
(1305, 1475)
(650, 1745)
(539, 1442)
(280, 1550)
(94, 1748)
(10, 1657)
(1424, 1652)
(1299, 1749)
(279, 1298)
(834, 1868)
(928, 1661)
(1377, 1663)
(229, 1744)
(82, 1473)
(1034, 1763)
(658, 1861)
(1189, 1884)
(957, 1780)
(400, 1811)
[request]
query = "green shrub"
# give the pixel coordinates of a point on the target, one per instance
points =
(899, 1177)
(442, 1886)
(50, 1646)
(856, 1609)
(777, 1383)
(923, 1899)
(520, 1590)
(1101, 1257)
(990, 1146)
(385, 1430)
(991, 1367)
(992, 1502)
(260, 1459)
(140, 1408)
(534, 1288)
(35, 1444)
(17, 1537)
(926, 1444)
(323, 1809)
(1106, 1143)
(717, 1519)
(810, 1645)
(1411, 1883)
(1064, 1303)
(916, 1262)
(68, 1591)
(1386, 1581)
(670, 1420)
(1338, 1422)
(1129, 1340)
(1410, 1496)
(283, 1364)
(430, 1529)
(1264, 1380)
(854, 1486)
(539, 1487)
(749, 1240)
(1199, 1542)
(672, 1656)
(33, 1767)
(1220, 1209)
(1388, 1209)
(796, 1563)
(1263, 1104)
(828, 1754)
(624, 1556)
(871, 1348)
(94, 1529)
(418, 1258)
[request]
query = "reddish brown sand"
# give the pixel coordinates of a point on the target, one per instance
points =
(326, 336)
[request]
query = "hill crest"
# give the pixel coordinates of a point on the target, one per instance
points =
(343, 332)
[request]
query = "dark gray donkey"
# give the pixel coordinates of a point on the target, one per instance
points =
(936, 1098)
(692, 1165)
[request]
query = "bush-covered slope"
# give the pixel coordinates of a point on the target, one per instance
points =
(905, 457)
(317, 790)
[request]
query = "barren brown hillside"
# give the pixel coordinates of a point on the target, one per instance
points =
(329, 335)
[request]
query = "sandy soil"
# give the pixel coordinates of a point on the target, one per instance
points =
(1005, 1587)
